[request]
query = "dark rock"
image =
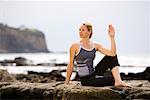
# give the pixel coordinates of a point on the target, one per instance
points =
(61, 64)
(52, 64)
(53, 75)
(21, 40)
(40, 77)
(20, 61)
(145, 75)
(45, 64)
(7, 62)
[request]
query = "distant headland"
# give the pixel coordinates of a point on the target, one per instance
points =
(21, 40)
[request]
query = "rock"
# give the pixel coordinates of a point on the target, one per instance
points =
(145, 75)
(73, 91)
(53, 75)
(7, 62)
(40, 77)
(20, 61)
(6, 77)
(32, 77)
(44, 64)
(77, 92)
(21, 90)
(52, 64)
(60, 64)
(36, 86)
(21, 40)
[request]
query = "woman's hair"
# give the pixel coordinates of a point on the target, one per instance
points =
(89, 27)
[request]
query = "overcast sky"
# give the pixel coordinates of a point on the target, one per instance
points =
(60, 20)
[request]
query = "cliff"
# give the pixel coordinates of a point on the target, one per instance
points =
(21, 40)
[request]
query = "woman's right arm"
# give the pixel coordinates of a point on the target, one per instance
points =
(70, 65)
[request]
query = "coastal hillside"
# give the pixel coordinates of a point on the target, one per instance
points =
(21, 40)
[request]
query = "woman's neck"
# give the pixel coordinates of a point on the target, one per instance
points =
(85, 40)
(87, 44)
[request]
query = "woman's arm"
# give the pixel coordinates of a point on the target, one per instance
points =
(112, 51)
(70, 64)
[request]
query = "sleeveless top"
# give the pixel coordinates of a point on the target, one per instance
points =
(84, 60)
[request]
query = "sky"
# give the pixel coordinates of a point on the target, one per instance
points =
(60, 21)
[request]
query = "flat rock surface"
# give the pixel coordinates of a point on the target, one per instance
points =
(74, 91)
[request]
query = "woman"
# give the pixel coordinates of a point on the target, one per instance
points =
(83, 52)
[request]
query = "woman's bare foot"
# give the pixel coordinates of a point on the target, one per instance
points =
(121, 84)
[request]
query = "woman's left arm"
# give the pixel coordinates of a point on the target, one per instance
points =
(112, 51)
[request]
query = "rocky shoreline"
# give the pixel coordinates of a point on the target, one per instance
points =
(74, 91)
(28, 87)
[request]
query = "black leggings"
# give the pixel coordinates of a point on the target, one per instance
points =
(100, 69)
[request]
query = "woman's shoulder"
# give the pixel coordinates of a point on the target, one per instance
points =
(75, 45)
(96, 45)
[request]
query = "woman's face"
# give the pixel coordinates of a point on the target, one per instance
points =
(83, 32)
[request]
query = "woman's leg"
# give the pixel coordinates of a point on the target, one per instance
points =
(116, 74)
(106, 63)
(113, 64)
(117, 78)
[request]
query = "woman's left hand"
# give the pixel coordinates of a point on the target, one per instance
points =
(111, 31)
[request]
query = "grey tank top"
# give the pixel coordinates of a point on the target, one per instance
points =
(84, 60)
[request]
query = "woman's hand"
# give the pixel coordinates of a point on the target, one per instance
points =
(111, 31)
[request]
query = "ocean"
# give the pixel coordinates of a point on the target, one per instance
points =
(129, 63)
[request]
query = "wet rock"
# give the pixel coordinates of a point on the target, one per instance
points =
(52, 64)
(145, 75)
(45, 64)
(20, 61)
(60, 64)
(7, 62)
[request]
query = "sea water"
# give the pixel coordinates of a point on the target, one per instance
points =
(129, 63)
